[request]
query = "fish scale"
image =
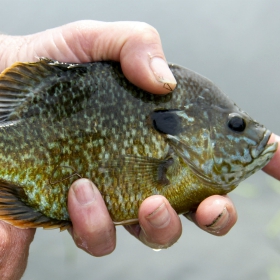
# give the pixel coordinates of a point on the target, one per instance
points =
(62, 121)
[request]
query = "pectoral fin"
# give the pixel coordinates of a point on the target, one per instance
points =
(138, 172)
(15, 212)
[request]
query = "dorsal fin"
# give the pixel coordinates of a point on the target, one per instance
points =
(21, 82)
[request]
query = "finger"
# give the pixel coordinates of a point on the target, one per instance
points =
(159, 225)
(136, 45)
(93, 229)
(272, 168)
(216, 215)
(14, 248)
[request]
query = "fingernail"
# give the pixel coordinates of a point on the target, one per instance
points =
(220, 222)
(159, 218)
(83, 190)
(162, 73)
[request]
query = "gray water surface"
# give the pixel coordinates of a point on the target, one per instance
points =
(234, 43)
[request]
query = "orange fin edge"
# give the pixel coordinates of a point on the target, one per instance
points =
(15, 212)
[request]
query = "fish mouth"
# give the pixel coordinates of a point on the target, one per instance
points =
(264, 149)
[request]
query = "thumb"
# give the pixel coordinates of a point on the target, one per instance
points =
(136, 45)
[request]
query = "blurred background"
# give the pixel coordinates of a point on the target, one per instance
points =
(236, 44)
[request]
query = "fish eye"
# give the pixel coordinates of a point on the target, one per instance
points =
(166, 122)
(236, 123)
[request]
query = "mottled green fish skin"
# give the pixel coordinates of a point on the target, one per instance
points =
(61, 122)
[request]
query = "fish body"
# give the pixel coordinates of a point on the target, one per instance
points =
(60, 122)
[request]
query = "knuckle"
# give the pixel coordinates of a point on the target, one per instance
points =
(147, 33)
(103, 249)
(158, 242)
(162, 238)
(144, 27)
(105, 244)
(98, 243)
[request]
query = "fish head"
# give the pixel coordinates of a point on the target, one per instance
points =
(238, 146)
(220, 143)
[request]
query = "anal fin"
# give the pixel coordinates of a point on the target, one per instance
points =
(17, 213)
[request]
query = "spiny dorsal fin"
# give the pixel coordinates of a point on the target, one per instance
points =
(22, 81)
(18, 214)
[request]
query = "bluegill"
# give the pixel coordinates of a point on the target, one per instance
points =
(60, 122)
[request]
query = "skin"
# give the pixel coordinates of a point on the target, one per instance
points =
(138, 47)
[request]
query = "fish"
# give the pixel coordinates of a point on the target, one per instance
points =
(63, 121)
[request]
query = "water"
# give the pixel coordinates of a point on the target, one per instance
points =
(234, 43)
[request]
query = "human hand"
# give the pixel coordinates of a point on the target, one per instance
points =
(272, 168)
(137, 46)
(14, 248)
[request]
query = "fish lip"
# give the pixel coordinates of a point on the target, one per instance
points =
(263, 148)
